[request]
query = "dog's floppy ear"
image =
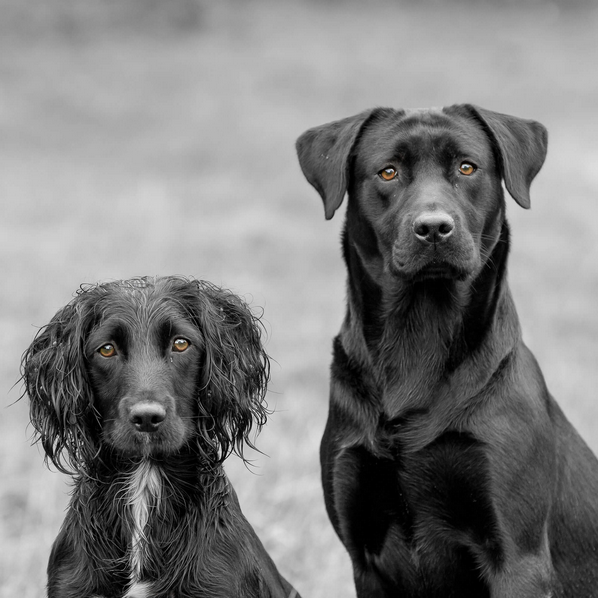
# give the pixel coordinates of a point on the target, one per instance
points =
(236, 369)
(324, 155)
(60, 399)
(521, 145)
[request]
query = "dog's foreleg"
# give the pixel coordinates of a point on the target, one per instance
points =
(529, 577)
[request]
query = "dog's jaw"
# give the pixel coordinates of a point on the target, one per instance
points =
(433, 270)
(167, 439)
(456, 259)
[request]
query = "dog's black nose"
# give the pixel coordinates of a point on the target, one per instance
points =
(147, 417)
(433, 227)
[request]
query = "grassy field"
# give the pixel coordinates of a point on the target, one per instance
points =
(139, 139)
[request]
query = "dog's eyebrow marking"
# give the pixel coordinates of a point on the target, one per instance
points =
(144, 490)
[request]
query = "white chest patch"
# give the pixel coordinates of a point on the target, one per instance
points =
(144, 490)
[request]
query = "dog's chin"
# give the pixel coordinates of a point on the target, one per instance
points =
(147, 444)
(434, 270)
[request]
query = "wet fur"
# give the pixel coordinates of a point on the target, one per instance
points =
(448, 468)
(152, 514)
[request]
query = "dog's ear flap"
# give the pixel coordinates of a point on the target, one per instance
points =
(60, 400)
(521, 145)
(236, 368)
(324, 157)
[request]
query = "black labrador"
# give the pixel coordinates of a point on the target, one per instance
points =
(448, 468)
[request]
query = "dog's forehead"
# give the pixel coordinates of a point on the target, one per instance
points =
(143, 292)
(132, 295)
(423, 113)
(139, 305)
(423, 128)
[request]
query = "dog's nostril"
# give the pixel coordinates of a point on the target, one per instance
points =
(420, 229)
(445, 228)
(147, 417)
(433, 227)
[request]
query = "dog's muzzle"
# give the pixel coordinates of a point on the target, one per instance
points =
(433, 245)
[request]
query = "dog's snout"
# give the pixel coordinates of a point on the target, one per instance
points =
(433, 227)
(147, 416)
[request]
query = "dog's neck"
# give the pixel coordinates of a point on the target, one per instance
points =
(415, 336)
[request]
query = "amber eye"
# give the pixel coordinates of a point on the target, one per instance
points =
(107, 350)
(466, 168)
(388, 173)
(180, 345)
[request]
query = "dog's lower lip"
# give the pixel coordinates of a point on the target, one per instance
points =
(440, 267)
(438, 270)
(431, 270)
(143, 444)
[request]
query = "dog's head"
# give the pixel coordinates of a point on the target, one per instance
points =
(143, 368)
(425, 194)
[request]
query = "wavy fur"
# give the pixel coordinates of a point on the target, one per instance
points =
(152, 513)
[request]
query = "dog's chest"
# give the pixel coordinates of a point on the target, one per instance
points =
(426, 519)
(144, 490)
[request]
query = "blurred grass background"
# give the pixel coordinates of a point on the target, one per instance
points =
(145, 137)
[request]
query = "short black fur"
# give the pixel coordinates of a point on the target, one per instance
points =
(448, 468)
